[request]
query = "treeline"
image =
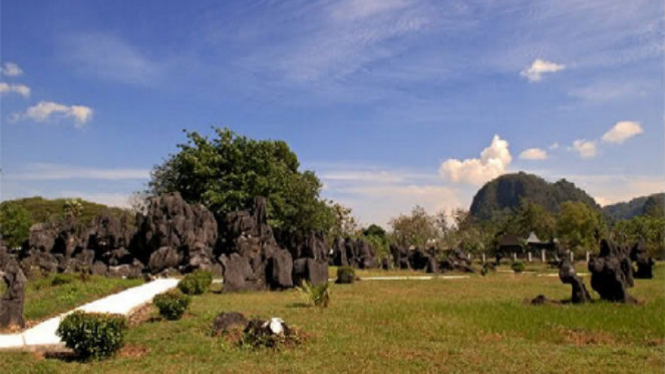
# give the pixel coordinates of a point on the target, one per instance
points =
(576, 226)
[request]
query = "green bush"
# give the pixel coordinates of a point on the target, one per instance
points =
(517, 266)
(195, 283)
(317, 295)
(60, 279)
(346, 275)
(93, 335)
(172, 304)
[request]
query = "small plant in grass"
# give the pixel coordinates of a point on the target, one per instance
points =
(172, 304)
(195, 283)
(487, 267)
(60, 279)
(517, 266)
(93, 335)
(345, 275)
(317, 295)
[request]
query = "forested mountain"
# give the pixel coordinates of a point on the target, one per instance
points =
(643, 205)
(504, 193)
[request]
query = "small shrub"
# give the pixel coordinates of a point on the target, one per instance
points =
(487, 267)
(195, 283)
(172, 304)
(93, 335)
(517, 266)
(60, 279)
(346, 275)
(317, 295)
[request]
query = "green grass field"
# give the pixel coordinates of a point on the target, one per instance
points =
(49, 296)
(462, 325)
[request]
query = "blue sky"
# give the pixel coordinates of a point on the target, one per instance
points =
(392, 102)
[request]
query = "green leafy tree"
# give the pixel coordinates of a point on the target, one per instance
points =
(533, 217)
(651, 229)
(345, 224)
(15, 222)
(227, 172)
(579, 227)
(73, 208)
(378, 238)
(416, 228)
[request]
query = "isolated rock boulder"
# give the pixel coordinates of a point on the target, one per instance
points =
(644, 263)
(568, 275)
(611, 273)
(226, 322)
(11, 303)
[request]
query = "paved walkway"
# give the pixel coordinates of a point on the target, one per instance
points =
(125, 302)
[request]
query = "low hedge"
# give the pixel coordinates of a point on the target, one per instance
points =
(93, 335)
(517, 266)
(172, 305)
(195, 283)
(345, 275)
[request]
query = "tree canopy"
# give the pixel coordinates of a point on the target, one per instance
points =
(227, 172)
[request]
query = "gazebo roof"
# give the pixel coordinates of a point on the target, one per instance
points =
(533, 239)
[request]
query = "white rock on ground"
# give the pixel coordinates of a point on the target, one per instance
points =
(123, 303)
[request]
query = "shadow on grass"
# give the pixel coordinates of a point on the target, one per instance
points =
(298, 305)
(64, 356)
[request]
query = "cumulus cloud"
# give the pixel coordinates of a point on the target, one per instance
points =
(11, 69)
(534, 73)
(586, 149)
(20, 89)
(46, 110)
(533, 154)
(493, 161)
(622, 131)
(554, 145)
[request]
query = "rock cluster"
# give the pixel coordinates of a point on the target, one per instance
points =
(174, 236)
(311, 260)
(357, 253)
(612, 273)
(251, 258)
(426, 260)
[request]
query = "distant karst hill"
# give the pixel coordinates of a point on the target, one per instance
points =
(504, 193)
(643, 205)
(43, 210)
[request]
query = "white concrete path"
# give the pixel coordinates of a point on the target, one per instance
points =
(124, 302)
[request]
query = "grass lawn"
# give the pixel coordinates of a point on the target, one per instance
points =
(463, 325)
(58, 293)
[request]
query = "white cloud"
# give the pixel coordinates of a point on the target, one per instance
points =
(622, 131)
(493, 161)
(11, 69)
(539, 67)
(46, 171)
(110, 57)
(533, 154)
(20, 89)
(45, 110)
(586, 149)
(554, 145)
(358, 9)
(378, 193)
